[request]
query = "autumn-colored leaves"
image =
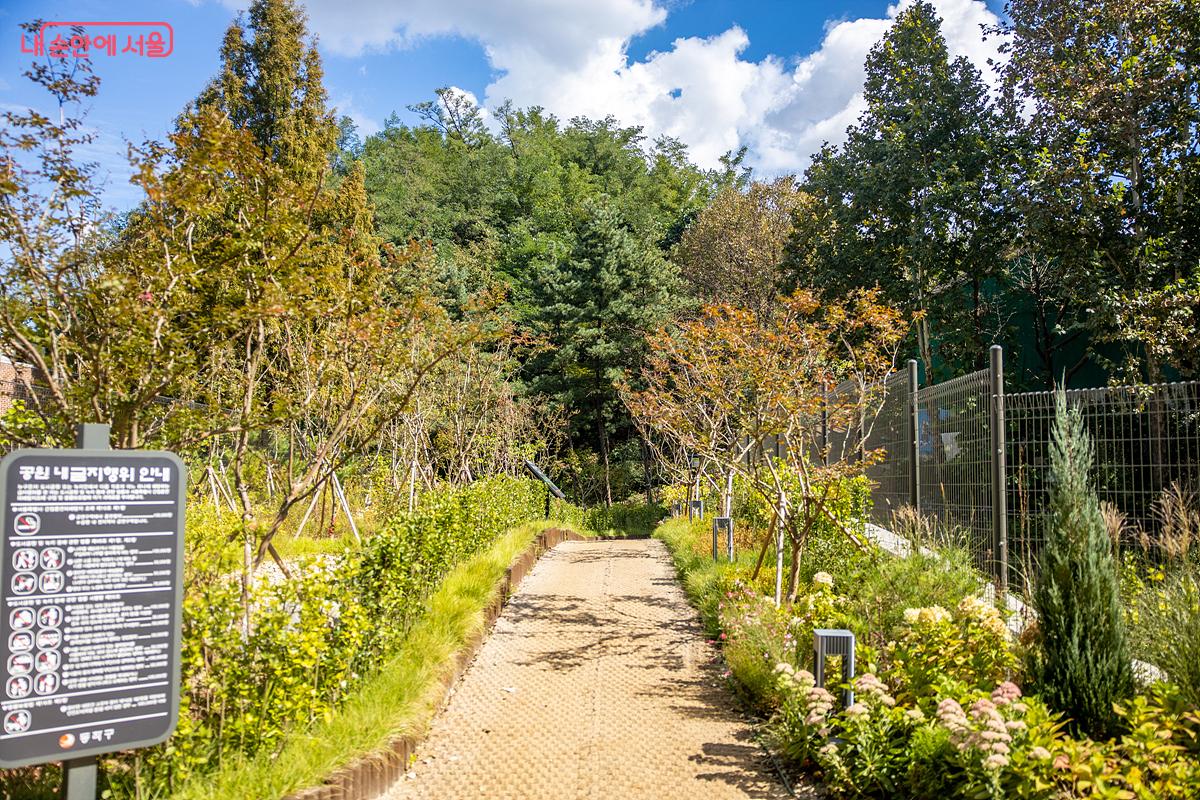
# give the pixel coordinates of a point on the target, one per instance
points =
(750, 393)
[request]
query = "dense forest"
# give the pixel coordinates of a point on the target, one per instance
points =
(476, 287)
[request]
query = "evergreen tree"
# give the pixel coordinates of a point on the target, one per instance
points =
(595, 309)
(1081, 663)
(908, 202)
(270, 84)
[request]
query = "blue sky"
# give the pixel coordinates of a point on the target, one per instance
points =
(775, 76)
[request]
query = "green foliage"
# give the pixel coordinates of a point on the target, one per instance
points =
(831, 542)
(22, 426)
(755, 636)
(1081, 661)
(996, 747)
(869, 755)
(906, 204)
(956, 739)
(1102, 95)
(627, 518)
(595, 307)
(884, 587)
(512, 208)
(1164, 627)
(969, 647)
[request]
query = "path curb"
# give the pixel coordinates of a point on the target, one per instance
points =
(372, 775)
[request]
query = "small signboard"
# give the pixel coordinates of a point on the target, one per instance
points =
(90, 597)
(695, 509)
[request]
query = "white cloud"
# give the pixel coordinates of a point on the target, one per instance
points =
(571, 58)
(345, 106)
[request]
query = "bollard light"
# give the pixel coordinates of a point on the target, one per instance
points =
(835, 642)
(723, 524)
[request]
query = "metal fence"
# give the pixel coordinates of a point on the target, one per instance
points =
(966, 454)
(890, 433)
(1147, 444)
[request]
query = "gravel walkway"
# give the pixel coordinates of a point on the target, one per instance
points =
(596, 682)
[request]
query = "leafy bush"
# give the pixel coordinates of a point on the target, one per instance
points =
(967, 742)
(867, 753)
(996, 747)
(1080, 661)
(881, 587)
(968, 647)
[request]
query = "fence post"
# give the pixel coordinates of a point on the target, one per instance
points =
(999, 501)
(825, 423)
(914, 438)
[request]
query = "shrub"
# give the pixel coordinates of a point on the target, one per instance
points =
(1160, 753)
(802, 723)
(935, 647)
(756, 636)
(629, 518)
(996, 747)
(880, 588)
(1080, 660)
(867, 755)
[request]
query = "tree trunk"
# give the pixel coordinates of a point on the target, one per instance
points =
(781, 514)
(727, 496)
(602, 431)
(646, 467)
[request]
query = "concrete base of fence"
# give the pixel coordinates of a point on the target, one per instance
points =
(372, 775)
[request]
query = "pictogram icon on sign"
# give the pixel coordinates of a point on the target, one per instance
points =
(27, 523)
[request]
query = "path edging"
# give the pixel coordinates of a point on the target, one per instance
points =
(371, 776)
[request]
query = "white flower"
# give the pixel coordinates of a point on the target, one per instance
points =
(823, 579)
(995, 761)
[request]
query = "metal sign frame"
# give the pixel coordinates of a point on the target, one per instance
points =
(93, 445)
(536, 472)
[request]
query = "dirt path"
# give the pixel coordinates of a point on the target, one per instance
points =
(595, 683)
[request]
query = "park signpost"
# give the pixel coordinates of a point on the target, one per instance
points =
(91, 593)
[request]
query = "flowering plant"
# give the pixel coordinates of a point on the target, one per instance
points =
(860, 752)
(802, 722)
(997, 747)
(969, 647)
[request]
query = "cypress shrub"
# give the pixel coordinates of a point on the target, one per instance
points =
(1081, 660)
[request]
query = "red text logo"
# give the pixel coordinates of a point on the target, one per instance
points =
(81, 39)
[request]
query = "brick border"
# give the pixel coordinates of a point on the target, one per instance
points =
(371, 776)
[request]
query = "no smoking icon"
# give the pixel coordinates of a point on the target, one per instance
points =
(27, 524)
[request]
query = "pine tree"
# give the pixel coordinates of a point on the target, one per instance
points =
(1081, 664)
(596, 307)
(270, 84)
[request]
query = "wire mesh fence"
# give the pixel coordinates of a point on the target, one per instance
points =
(890, 432)
(1147, 450)
(1146, 472)
(954, 470)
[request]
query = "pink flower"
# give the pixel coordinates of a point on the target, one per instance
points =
(146, 296)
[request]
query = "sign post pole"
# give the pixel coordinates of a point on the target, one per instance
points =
(79, 779)
(79, 774)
